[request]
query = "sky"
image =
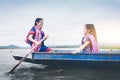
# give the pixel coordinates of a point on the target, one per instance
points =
(64, 20)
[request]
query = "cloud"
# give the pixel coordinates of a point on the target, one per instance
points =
(63, 19)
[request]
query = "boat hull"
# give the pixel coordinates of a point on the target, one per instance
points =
(57, 60)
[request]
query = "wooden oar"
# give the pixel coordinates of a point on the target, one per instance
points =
(24, 57)
(21, 60)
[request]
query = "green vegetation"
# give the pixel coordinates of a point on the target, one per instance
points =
(77, 46)
(65, 46)
(62, 46)
(109, 47)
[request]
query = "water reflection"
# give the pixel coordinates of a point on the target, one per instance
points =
(34, 73)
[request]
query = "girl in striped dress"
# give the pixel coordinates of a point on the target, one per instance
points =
(36, 37)
(89, 40)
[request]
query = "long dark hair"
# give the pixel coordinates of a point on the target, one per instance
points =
(91, 30)
(37, 20)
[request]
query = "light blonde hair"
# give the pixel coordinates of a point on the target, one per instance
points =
(91, 30)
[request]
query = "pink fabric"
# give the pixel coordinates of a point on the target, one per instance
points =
(38, 37)
(48, 50)
(94, 43)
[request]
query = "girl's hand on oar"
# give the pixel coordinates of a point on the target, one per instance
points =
(37, 42)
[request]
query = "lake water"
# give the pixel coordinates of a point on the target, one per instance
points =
(27, 71)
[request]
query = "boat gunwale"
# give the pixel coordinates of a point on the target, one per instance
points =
(70, 53)
(68, 59)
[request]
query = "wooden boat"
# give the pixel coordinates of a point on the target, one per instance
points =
(65, 59)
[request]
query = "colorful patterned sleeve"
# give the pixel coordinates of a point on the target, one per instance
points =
(32, 31)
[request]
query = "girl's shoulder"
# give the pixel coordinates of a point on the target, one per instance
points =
(89, 36)
(33, 29)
